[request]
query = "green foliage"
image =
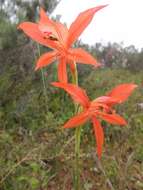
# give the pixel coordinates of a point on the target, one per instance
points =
(139, 155)
(35, 153)
(8, 35)
(13, 12)
(31, 138)
(114, 55)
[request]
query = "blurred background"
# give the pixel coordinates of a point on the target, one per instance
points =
(35, 154)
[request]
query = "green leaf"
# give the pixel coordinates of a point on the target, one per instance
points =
(34, 183)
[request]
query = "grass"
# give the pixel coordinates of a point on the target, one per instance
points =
(36, 154)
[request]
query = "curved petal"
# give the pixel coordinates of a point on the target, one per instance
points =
(113, 118)
(81, 22)
(77, 120)
(75, 92)
(46, 24)
(32, 30)
(63, 32)
(99, 135)
(122, 92)
(81, 56)
(62, 70)
(46, 59)
(105, 100)
(44, 17)
(57, 29)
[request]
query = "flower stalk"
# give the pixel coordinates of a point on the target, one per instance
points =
(77, 137)
(58, 37)
(43, 79)
(77, 158)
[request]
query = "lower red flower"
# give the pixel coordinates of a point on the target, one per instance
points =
(100, 108)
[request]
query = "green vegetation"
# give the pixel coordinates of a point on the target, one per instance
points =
(33, 149)
(35, 153)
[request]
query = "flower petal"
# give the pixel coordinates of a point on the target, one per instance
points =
(63, 32)
(105, 100)
(62, 70)
(99, 135)
(57, 29)
(44, 17)
(122, 92)
(81, 56)
(81, 22)
(113, 118)
(75, 92)
(72, 67)
(47, 25)
(32, 30)
(46, 59)
(77, 120)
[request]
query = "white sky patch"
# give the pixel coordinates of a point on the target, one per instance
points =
(121, 21)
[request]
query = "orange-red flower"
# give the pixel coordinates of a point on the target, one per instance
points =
(56, 36)
(100, 108)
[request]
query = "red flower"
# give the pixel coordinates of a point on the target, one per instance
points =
(100, 108)
(56, 36)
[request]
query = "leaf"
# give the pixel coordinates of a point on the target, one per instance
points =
(75, 92)
(62, 70)
(81, 56)
(34, 183)
(99, 135)
(22, 178)
(81, 22)
(46, 59)
(77, 120)
(35, 167)
(122, 92)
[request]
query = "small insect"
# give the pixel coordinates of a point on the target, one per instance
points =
(48, 35)
(53, 38)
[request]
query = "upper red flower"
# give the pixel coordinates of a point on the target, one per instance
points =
(56, 36)
(100, 108)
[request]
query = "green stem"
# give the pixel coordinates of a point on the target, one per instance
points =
(77, 140)
(75, 76)
(77, 157)
(44, 83)
(43, 79)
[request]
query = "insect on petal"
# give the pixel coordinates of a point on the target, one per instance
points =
(32, 30)
(46, 25)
